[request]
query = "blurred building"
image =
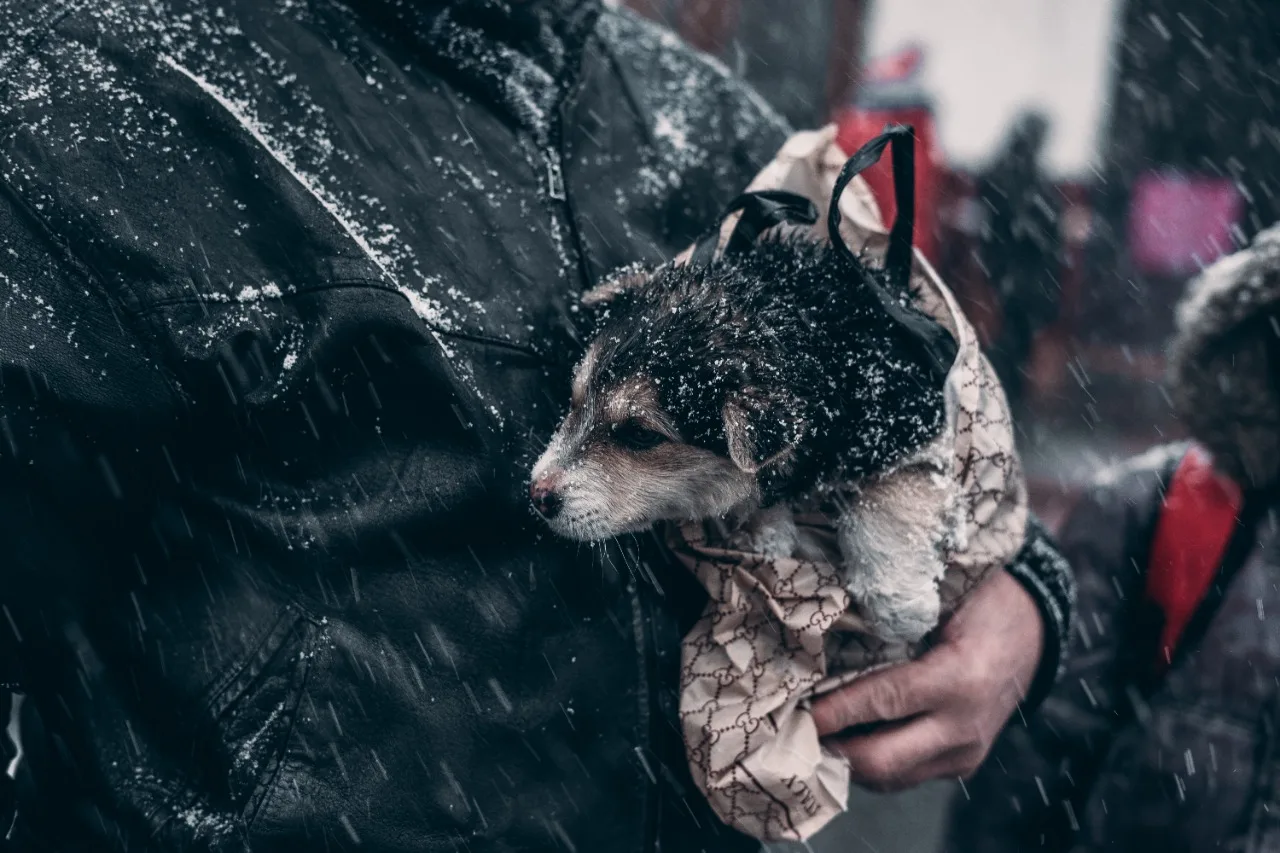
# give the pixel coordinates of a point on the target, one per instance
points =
(1189, 171)
(988, 60)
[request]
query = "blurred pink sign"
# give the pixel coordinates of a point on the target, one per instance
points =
(1179, 223)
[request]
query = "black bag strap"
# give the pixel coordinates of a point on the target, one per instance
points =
(937, 345)
(764, 209)
(897, 261)
(761, 210)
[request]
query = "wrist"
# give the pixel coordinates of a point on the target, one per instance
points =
(1046, 577)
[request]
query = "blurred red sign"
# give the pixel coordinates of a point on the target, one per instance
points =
(896, 67)
(857, 125)
(1179, 223)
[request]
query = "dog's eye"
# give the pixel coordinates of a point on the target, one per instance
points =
(634, 435)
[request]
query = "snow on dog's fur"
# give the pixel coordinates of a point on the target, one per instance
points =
(765, 380)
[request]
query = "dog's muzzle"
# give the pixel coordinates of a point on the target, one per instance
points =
(546, 500)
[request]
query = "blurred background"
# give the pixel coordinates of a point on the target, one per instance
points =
(1081, 161)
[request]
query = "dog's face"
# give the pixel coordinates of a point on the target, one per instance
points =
(708, 388)
(619, 463)
(675, 412)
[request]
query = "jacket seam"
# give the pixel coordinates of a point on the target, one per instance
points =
(285, 621)
(331, 284)
(567, 104)
(61, 248)
(269, 784)
(628, 88)
(357, 284)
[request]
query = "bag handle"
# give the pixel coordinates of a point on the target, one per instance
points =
(897, 262)
(764, 209)
(761, 210)
(935, 343)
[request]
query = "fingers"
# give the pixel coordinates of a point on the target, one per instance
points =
(938, 716)
(905, 755)
(897, 693)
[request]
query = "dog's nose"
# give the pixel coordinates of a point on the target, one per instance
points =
(546, 500)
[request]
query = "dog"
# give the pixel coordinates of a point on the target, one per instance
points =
(787, 374)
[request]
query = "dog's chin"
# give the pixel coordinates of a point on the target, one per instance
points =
(594, 525)
(593, 528)
(592, 511)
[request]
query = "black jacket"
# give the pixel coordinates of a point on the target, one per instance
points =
(288, 292)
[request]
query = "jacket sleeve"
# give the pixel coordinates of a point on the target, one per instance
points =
(1045, 573)
(1031, 789)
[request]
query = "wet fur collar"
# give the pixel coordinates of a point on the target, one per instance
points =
(1224, 367)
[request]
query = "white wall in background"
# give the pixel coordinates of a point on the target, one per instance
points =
(986, 59)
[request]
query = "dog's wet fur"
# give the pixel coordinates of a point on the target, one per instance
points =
(754, 382)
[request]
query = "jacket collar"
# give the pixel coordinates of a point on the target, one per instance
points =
(520, 56)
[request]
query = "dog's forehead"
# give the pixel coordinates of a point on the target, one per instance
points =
(632, 397)
(595, 386)
(584, 375)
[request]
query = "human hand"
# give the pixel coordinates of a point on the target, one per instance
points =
(939, 715)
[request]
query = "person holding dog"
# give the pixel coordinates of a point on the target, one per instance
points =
(290, 297)
(1161, 734)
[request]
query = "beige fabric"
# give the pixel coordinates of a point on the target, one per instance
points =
(777, 632)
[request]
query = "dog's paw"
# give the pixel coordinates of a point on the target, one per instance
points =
(892, 539)
(902, 618)
(770, 532)
(893, 578)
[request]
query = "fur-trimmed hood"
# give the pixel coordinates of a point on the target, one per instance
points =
(1224, 369)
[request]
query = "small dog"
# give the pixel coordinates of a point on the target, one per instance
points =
(784, 375)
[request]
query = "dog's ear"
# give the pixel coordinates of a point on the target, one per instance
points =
(758, 436)
(607, 291)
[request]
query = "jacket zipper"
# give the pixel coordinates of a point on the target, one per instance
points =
(556, 155)
(555, 177)
(559, 192)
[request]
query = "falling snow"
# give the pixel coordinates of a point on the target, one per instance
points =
(187, 360)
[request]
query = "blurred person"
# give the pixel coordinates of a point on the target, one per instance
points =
(1020, 247)
(1161, 735)
(290, 294)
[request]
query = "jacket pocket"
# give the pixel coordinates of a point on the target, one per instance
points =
(232, 756)
(254, 704)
